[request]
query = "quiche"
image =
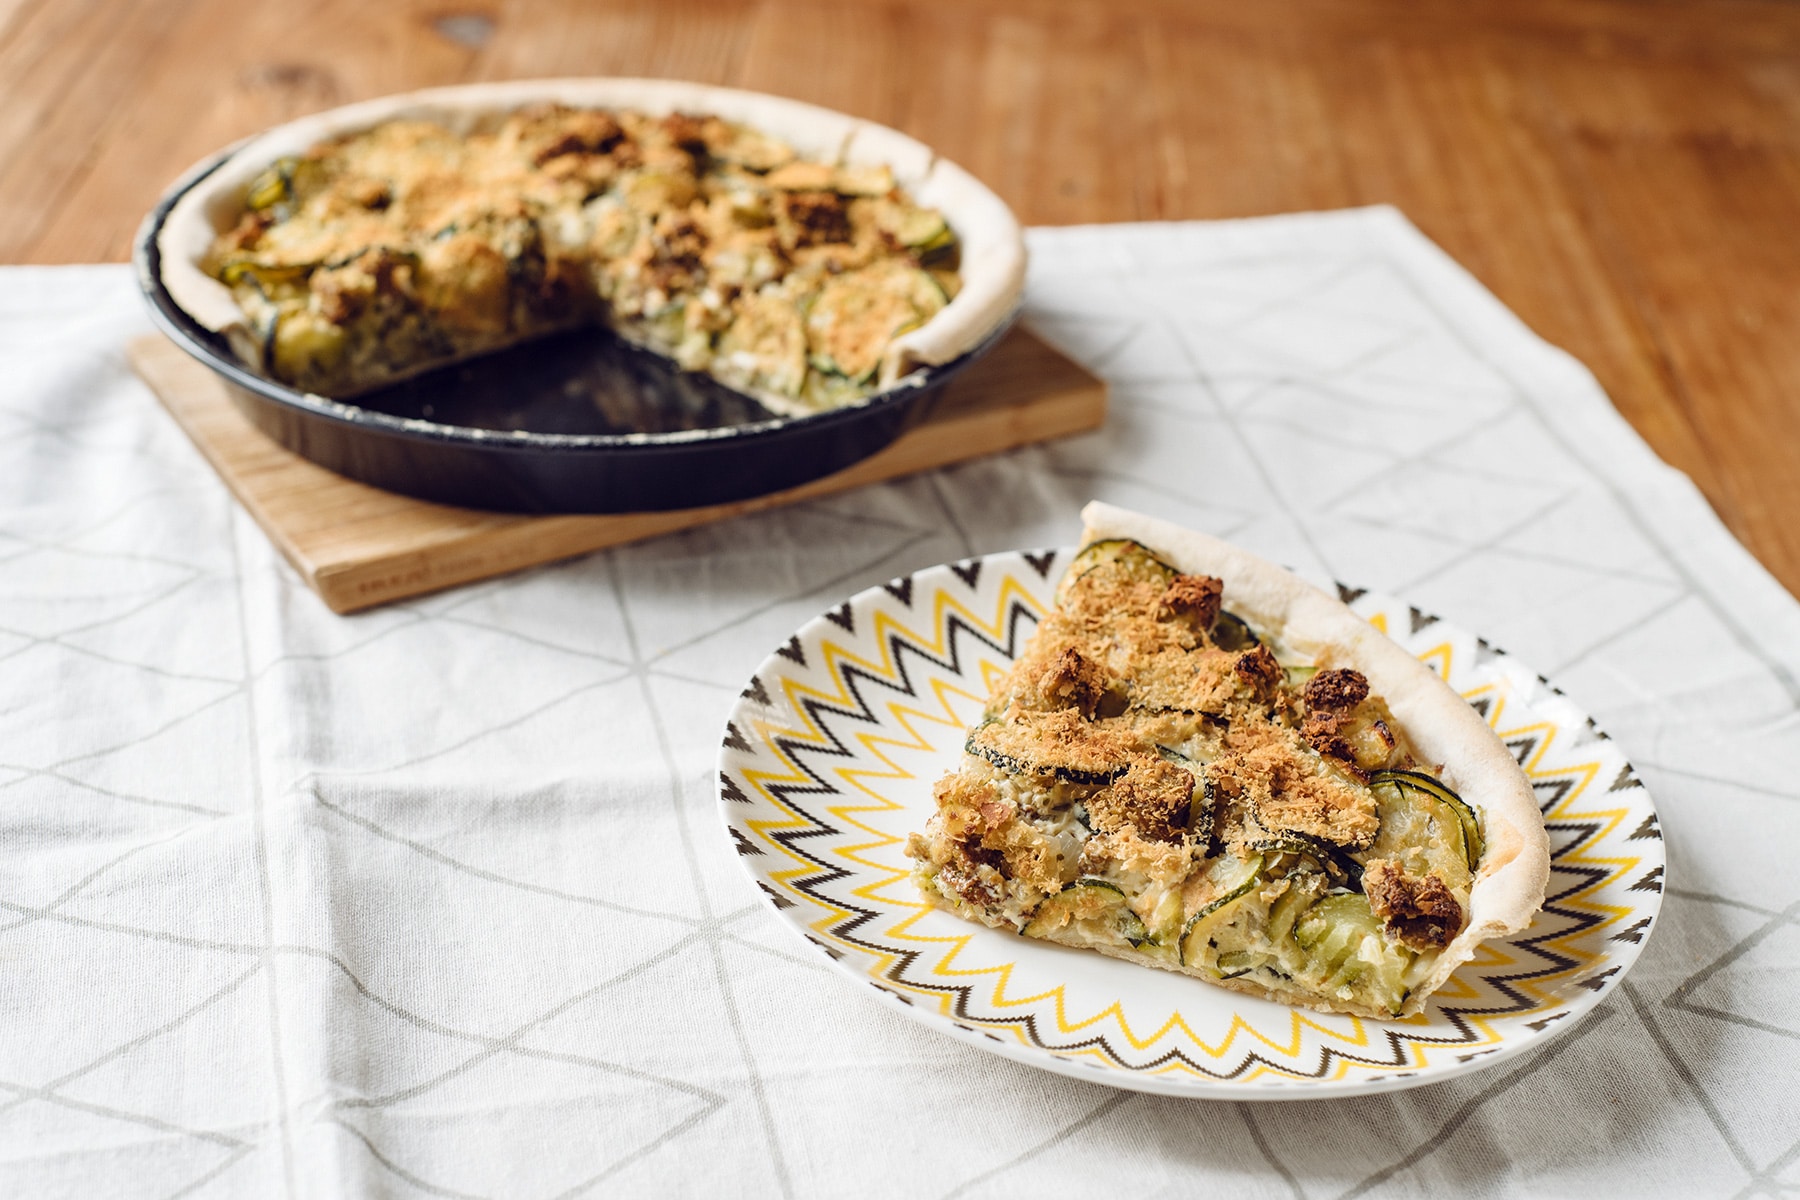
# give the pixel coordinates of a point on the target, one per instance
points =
(1203, 764)
(387, 245)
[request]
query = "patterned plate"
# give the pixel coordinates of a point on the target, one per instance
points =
(828, 763)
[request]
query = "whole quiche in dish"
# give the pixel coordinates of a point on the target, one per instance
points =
(1204, 764)
(793, 254)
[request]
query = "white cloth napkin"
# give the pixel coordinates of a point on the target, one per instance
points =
(433, 901)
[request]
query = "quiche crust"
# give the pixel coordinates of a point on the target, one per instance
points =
(1204, 764)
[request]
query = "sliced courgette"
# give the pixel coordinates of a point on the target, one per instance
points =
(1325, 857)
(1232, 632)
(765, 346)
(1138, 562)
(856, 314)
(1342, 936)
(1304, 889)
(1239, 962)
(921, 229)
(272, 187)
(1014, 749)
(1233, 880)
(1473, 843)
(1097, 907)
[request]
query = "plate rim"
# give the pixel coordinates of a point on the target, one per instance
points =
(1574, 1009)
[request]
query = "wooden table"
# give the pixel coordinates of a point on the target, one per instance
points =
(1624, 173)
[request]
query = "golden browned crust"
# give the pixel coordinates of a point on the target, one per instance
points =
(1075, 680)
(1059, 740)
(1278, 786)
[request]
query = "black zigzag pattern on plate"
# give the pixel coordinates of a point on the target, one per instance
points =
(1556, 922)
(1021, 620)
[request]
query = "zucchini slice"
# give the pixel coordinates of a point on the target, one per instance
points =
(1473, 844)
(1095, 907)
(1339, 867)
(1342, 936)
(1232, 632)
(1015, 750)
(856, 314)
(1304, 890)
(1234, 879)
(766, 346)
(1138, 561)
(265, 277)
(272, 187)
(1421, 830)
(920, 228)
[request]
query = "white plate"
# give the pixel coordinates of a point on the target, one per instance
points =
(828, 763)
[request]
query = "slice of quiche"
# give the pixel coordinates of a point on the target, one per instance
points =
(1204, 764)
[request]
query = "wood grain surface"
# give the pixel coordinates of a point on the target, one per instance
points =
(1625, 174)
(359, 547)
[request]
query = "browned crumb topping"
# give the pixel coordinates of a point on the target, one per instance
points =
(1336, 689)
(817, 218)
(1194, 681)
(1194, 596)
(685, 132)
(703, 240)
(1257, 668)
(1273, 781)
(1321, 733)
(1152, 798)
(581, 132)
(1418, 912)
(1042, 742)
(1074, 680)
(1167, 862)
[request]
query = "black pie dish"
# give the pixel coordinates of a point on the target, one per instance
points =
(579, 422)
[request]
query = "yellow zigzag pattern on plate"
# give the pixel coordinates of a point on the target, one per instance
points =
(1538, 766)
(836, 657)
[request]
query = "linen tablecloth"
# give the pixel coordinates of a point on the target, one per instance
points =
(434, 901)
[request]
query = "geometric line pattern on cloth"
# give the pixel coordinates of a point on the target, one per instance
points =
(1078, 290)
(839, 725)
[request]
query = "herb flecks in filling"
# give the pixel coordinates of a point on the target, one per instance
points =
(379, 253)
(1160, 781)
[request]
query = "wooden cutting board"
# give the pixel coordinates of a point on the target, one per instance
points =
(358, 546)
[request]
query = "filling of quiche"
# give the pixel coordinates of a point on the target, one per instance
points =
(382, 252)
(1159, 781)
